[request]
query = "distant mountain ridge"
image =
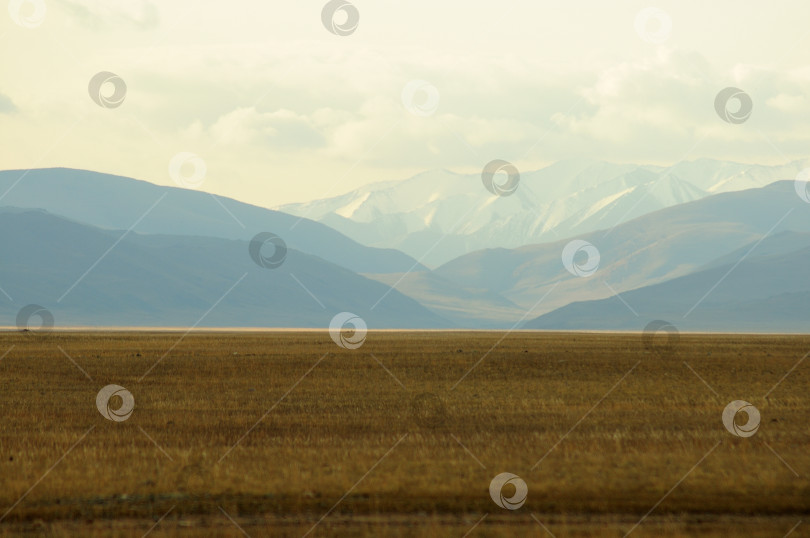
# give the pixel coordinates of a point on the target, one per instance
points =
(503, 287)
(161, 280)
(116, 202)
(437, 216)
(152, 276)
(767, 291)
(656, 247)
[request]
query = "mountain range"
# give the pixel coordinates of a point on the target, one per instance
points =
(101, 250)
(662, 245)
(70, 269)
(437, 216)
(765, 289)
(119, 203)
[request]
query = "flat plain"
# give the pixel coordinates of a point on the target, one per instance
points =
(288, 434)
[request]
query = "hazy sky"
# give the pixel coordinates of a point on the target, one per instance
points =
(280, 109)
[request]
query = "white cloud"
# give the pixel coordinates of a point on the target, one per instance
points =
(110, 13)
(256, 89)
(791, 103)
(279, 129)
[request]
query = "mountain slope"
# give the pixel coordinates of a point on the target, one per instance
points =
(763, 293)
(85, 276)
(469, 308)
(437, 216)
(660, 246)
(116, 202)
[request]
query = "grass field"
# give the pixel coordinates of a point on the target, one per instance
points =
(284, 434)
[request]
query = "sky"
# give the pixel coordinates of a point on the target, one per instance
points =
(275, 102)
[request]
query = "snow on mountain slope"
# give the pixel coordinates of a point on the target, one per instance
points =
(438, 215)
(654, 248)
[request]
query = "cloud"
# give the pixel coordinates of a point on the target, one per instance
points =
(279, 129)
(641, 110)
(789, 103)
(257, 90)
(658, 108)
(141, 14)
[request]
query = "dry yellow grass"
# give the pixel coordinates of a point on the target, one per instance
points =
(613, 424)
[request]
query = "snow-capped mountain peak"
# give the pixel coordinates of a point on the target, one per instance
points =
(437, 215)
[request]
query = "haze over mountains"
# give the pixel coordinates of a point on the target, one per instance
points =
(119, 203)
(107, 250)
(439, 215)
(659, 246)
(167, 280)
(768, 288)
